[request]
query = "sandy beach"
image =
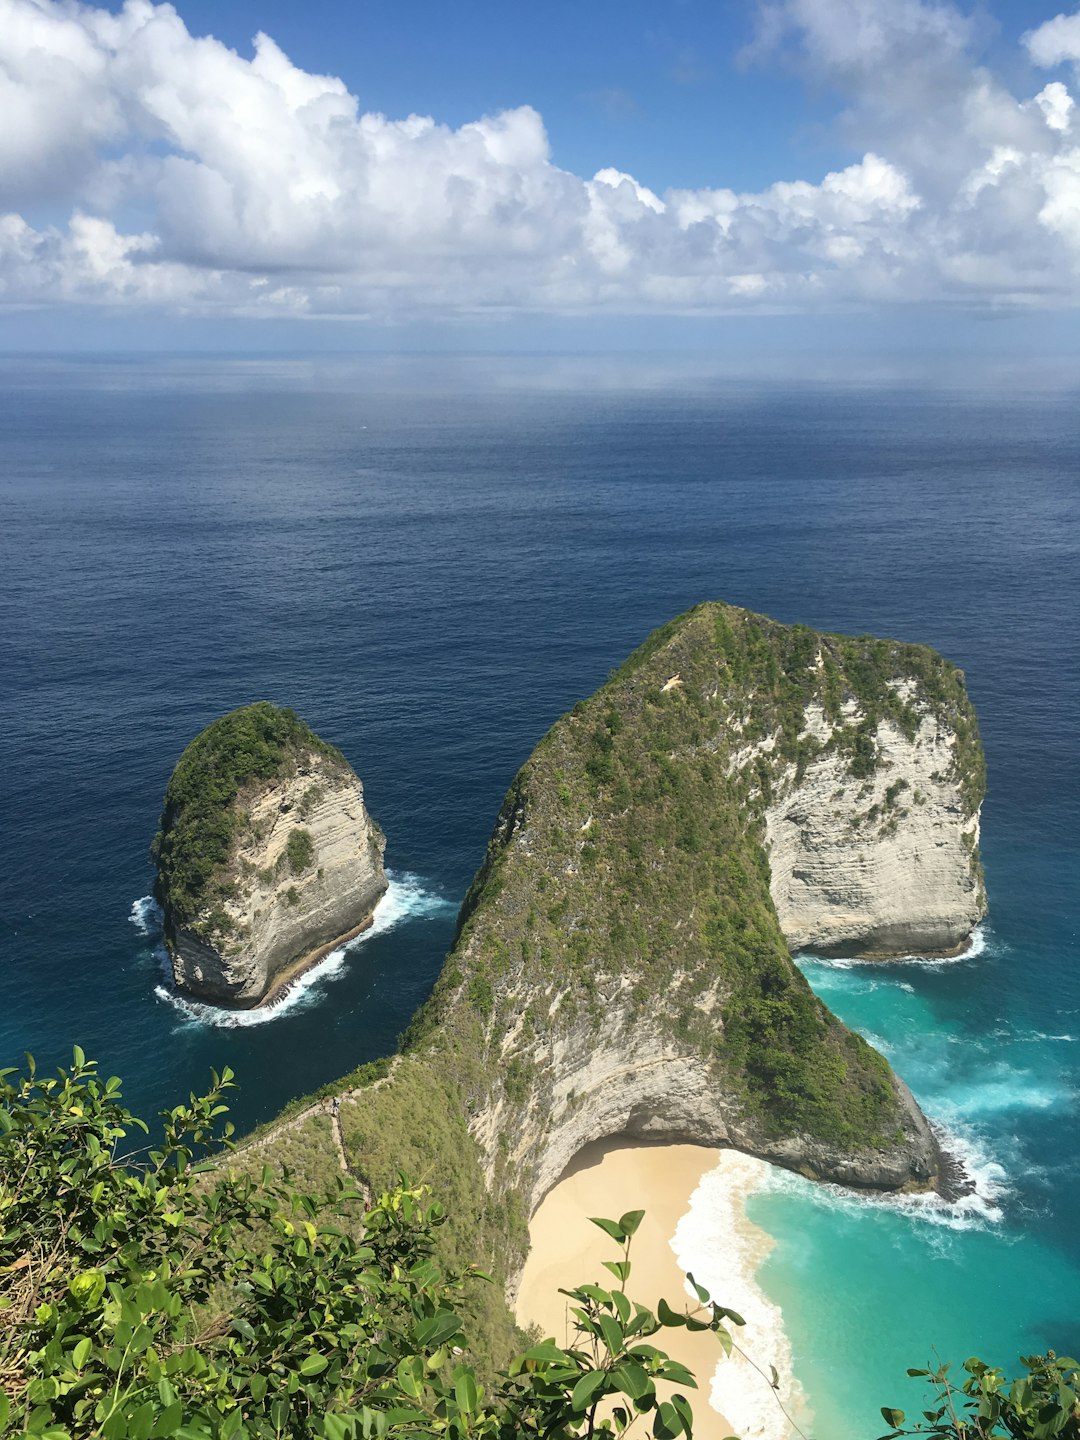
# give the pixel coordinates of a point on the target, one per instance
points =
(694, 1202)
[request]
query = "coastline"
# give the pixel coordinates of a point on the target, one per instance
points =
(694, 1202)
(292, 972)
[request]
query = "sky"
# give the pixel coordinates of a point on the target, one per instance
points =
(263, 172)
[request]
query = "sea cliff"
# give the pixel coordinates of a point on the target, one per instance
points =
(267, 857)
(622, 963)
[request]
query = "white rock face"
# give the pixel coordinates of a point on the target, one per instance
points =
(284, 917)
(878, 866)
(641, 1084)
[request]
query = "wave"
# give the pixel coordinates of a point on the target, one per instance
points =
(724, 1250)
(980, 1176)
(407, 898)
(146, 916)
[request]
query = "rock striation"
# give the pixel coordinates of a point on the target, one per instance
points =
(881, 864)
(267, 857)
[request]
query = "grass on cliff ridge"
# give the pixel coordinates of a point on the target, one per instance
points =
(201, 818)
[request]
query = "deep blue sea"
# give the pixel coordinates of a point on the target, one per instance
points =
(430, 560)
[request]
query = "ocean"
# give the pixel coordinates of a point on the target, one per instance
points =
(432, 558)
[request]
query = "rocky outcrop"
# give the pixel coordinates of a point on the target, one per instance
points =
(738, 789)
(299, 873)
(881, 864)
(643, 1085)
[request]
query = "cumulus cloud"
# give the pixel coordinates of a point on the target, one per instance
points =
(197, 178)
(1055, 41)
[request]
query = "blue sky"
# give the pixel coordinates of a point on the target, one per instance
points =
(657, 89)
(610, 169)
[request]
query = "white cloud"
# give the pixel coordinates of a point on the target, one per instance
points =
(197, 178)
(1055, 41)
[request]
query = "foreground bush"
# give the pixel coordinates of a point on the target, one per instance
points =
(144, 1294)
(147, 1293)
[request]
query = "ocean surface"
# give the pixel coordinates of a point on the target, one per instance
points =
(430, 560)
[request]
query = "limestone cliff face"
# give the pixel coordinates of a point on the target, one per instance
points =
(299, 871)
(880, 864)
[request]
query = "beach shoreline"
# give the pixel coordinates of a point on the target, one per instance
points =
(694, 1201)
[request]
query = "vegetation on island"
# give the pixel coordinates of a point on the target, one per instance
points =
(201, 817)
(150, 1293)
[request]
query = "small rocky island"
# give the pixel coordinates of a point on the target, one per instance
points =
(266, 858)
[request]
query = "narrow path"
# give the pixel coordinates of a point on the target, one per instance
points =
(330, 1106)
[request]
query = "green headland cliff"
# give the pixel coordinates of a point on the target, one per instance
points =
(622, 964)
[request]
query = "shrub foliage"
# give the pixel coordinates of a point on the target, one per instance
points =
(147, 1294)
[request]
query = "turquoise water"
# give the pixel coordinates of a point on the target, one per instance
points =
(431, 560)
(870, 1287)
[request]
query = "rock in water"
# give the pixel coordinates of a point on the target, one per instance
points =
(267, 858)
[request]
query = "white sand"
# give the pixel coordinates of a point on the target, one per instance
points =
(694, 1202)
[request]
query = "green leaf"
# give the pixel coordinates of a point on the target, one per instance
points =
(87, 1288)
(465, 1391)
(699, 1290)
(679, 1375)
(610, 1227)
(667, 1422)
(169, 1419)
(81, 1351)
(631, 1220)
(5, 1408)
(585, 1389)
(314, 1365)
(612, 1332)
(892, 1417)
(667, 1316)
(231, 1424)
(546, 1350)
(631, 1379)
(685, 1413)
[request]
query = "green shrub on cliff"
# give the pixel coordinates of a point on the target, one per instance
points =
(300, 849)
(200, 820)
(150, 1296)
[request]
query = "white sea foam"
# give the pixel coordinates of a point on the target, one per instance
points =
(406, 899)
(979, 1208)
(723, 1250)
(146, 916)
(977, 945)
